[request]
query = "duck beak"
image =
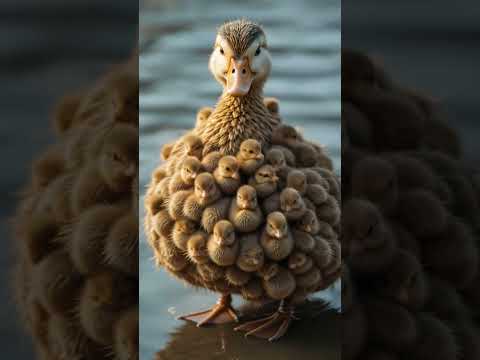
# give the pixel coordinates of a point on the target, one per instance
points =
(239, 77)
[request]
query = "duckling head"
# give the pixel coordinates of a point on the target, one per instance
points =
(285, 135)
(191, 167)
(240, 59)
(247, 198)
(251, 149)
(197, 248)
(309, 222)
(119, 156)
(224, 233)
(297, 180)
(185, 226)
(290, 200)
(270, 271)
(276, 158)
(193, 146)
(266, 174)
(228, 167)
(205, 187)
(297, 260)
(361, 226)
(277, 226)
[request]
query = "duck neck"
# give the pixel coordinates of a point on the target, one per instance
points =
(254, 98)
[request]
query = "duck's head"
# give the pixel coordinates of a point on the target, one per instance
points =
(240, 58)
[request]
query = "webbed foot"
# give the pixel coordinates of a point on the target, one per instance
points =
(221, 313)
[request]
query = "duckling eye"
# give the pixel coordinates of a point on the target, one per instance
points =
(257, 52)
(250, 151)
(227, 168)
(222, 52)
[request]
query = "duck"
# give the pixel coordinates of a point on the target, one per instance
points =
(227, 175)
(238, 134)
(244, 212)
(250, 156)
(241, 63)
(264, 181)
(276, 239)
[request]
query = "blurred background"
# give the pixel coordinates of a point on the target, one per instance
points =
(176, 38)
(47, 49)
(429, 45)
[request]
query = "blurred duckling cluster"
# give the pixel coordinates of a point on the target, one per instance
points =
(262, 223)
(76, 277)
(410, 227)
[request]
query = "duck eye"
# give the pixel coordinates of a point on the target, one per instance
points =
(222, 52)
(257, 52)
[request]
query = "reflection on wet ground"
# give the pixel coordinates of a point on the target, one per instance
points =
(175, 40)
(309, 339)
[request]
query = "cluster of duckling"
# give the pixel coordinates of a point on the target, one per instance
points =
(410, 227)
(262, 223)
(76, 277)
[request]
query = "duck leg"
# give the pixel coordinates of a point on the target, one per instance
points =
(221, 313)
(272, 327)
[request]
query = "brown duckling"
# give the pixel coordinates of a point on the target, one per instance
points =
(215, 212)
(306, 155)
(292, 204)
(322, 253)
(309, 223)
(103, 298)
(368, 241)
(276, 240)
(250, 156)
(286, 135)
(40, 233)
(121, 245)
(416, 209)
(271, 203)
(303, 240)
(188, 145)
(404, 281)
(162, 223)
(299, 263)
(264, 181)
(210, 161)
(453, 254)
(391, 325)
(56, 281)
(237, 277)
(184, 179)
(297, 180)
(183, 229)
(206, 192)
(251, 257)
(227, 175)
(222, 245)
(375, 179)
(202, 116)
(125, 334)
(435, 340)
(329, 211)
(253, 290)
(311, 280)
(177, 202)
(197, 248)
(245, 214)
(276, 158)
(86, 247)
(279, 284)
(272, 105)
(47, 167)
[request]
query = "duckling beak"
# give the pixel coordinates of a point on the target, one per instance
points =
(203, 194)
(275, 178)
(236, 175)
(239, 77)
(278, 234)
(259, 157)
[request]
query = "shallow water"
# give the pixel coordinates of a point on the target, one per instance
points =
(175, 40)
